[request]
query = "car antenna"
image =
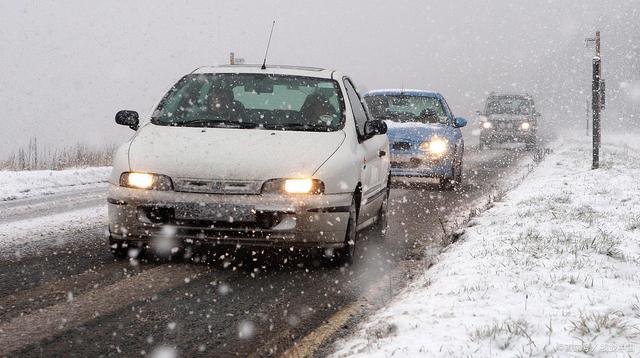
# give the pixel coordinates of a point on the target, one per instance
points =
(264, 62)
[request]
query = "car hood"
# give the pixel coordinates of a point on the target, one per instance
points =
(225, 153)
(415, 132)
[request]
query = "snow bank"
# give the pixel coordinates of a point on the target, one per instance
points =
(21, 184)
(22, 237)
(552, 269)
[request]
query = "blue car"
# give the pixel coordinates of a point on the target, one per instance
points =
(424, 136)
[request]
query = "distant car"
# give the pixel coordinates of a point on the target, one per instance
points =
(509, 117)
(424, 135)
(243, 156)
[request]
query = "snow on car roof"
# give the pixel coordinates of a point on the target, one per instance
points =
(409, 92)
(271, 69)
(509, 94)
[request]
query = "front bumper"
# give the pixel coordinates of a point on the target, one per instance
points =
(418, 165)
(517, 135)
(271, 220)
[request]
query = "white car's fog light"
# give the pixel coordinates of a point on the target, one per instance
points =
(487, 125)
(525, 126)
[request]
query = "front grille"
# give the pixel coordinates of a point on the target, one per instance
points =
(217, 186)
(505, 125)
(401, 146)
(165, 215)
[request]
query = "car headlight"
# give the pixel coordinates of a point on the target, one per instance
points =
(487, 125)
(294, 186)
(148, 181)
(525, 125)
(436, 146)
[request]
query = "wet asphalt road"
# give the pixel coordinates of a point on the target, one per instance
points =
(76, 300)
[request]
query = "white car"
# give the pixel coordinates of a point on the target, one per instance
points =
(244, 156)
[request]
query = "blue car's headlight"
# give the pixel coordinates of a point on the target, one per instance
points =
(437, 146)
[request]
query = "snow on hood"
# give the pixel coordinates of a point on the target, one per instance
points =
(223, 153)
(416, 131)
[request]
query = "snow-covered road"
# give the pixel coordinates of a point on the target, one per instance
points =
(56, 269)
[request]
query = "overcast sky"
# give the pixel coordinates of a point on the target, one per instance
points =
(66, 67)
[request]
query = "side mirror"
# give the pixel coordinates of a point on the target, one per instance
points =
(459, 122)
(373, 127)
(479, 113)
(128, 118)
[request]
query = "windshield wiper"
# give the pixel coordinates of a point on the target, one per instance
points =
(298, 127)
(214, 123)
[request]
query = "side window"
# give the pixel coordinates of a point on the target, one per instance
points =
(356, 106)
(447, 109)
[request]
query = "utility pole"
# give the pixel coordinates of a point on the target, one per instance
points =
(597, 100)
(587, 115)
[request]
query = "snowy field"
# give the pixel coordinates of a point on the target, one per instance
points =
(22, 184)
(552, 269)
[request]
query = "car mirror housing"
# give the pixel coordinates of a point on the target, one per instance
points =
(128, 118)
(459, 122)
(373, 127)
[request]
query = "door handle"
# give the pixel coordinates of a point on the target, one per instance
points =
(382, 153)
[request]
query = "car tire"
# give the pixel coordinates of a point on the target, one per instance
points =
(121, 249)
(382, 221)
(531, 143)
(484, 144)
(455, 180)
(347, 254)
(458, 181)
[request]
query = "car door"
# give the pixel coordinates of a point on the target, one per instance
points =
(375, 164)
(455, 133)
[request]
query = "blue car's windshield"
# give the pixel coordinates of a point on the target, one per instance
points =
(406, 108)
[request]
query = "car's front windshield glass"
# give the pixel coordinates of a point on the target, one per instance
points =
(406, 108)
(252, 101)
(509, 105)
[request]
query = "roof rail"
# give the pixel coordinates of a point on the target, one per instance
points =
(500, 93)
(304, 68)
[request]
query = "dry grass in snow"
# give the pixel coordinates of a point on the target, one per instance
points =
(551, 270)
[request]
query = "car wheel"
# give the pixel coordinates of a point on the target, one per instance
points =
(454, 181)
(382, 222)
(484, 143)
(531, 143)
(347, 253)
(448, 183)
(458, 181)
(122, 249)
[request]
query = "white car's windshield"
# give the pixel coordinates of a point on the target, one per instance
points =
(252, 101)
(405, 108)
